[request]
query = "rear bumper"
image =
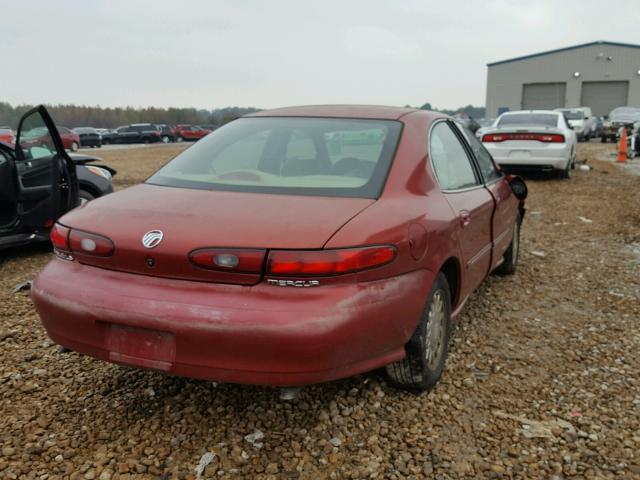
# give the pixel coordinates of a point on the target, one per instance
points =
(258, 335)
(549, 157)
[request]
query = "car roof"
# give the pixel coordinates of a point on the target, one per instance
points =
(519, 112)
(338, 111)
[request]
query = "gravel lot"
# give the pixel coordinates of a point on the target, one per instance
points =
(543, 380)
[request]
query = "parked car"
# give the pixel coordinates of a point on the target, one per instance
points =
(70, 139)
(209, 127)
(167, 133)
(618, 118)
(89, 137)
(484, 123)
(316, 261)
(190, 133)
(6, 135)
(581, 120)
(135, 133)
(532, 139)
(599, 127)
(40, 182)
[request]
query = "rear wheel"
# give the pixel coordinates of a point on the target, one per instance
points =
(509, 263)
(566, 173)
(427, 349)
(165, 139)
(74, 146)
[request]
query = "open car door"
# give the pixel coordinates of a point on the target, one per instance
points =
(47, 183)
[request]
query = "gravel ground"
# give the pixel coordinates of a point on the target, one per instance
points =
(543, 379)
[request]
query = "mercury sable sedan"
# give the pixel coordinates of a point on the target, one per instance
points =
(289, 247)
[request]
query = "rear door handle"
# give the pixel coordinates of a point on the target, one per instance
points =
(465, 218)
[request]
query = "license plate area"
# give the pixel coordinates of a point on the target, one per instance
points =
(141, 347)
(519, 154)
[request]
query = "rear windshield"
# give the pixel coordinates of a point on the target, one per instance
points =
(283, 155)
(546, 119)
(573, 114)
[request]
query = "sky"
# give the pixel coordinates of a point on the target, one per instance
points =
(271, 53)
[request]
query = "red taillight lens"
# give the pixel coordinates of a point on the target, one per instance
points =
(90, 244)
(229, 260)
(60, 237)
(540, 137)
(328, 262)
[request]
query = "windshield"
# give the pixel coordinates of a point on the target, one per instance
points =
(545, 119)
(573, 114)
(296, 156)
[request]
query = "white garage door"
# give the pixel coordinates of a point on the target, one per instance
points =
(543, 96)
(603, 97)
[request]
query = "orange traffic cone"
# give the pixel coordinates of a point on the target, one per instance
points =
(622, 147)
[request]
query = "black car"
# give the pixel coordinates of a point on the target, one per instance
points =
(167, 133)
(89, 137)
(134, 133)
(41, 181)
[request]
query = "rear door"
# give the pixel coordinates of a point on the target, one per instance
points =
(472, 204)
(496, 183)
(47, 186)
(130, 135)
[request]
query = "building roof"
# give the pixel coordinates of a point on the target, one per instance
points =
(574, 47)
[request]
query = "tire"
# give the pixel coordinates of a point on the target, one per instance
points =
(145, 140)
(427, 349)
(509, 263)
(165, 139)
(566, 173)
(106, 142)
(85, 196)
(74, 146)
(180, 139)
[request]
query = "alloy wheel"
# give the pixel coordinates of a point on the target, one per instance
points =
(434, 336)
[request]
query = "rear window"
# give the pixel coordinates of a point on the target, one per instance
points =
(295, 156)
(546, 119)
(573, 114)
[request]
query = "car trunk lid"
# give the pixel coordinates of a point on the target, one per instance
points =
(192, 219)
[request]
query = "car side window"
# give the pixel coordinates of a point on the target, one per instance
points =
(485, 161)
(450, 161)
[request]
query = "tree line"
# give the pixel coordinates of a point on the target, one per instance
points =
(95, 116)
(473, 112)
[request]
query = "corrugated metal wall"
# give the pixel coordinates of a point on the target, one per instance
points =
(594, 63)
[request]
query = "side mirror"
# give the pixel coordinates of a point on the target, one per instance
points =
(518, 187)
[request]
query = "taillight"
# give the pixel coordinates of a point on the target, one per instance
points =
(90, 244)
(229, 260)
(60, 237)
(540, 137)
(328, 262)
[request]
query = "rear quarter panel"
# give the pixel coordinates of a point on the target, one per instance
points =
(411, 207)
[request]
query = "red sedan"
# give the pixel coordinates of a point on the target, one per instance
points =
(190, 133)
(6, 135)
(290, 247)
(70, 139)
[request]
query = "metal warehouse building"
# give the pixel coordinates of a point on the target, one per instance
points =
(601, 75)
